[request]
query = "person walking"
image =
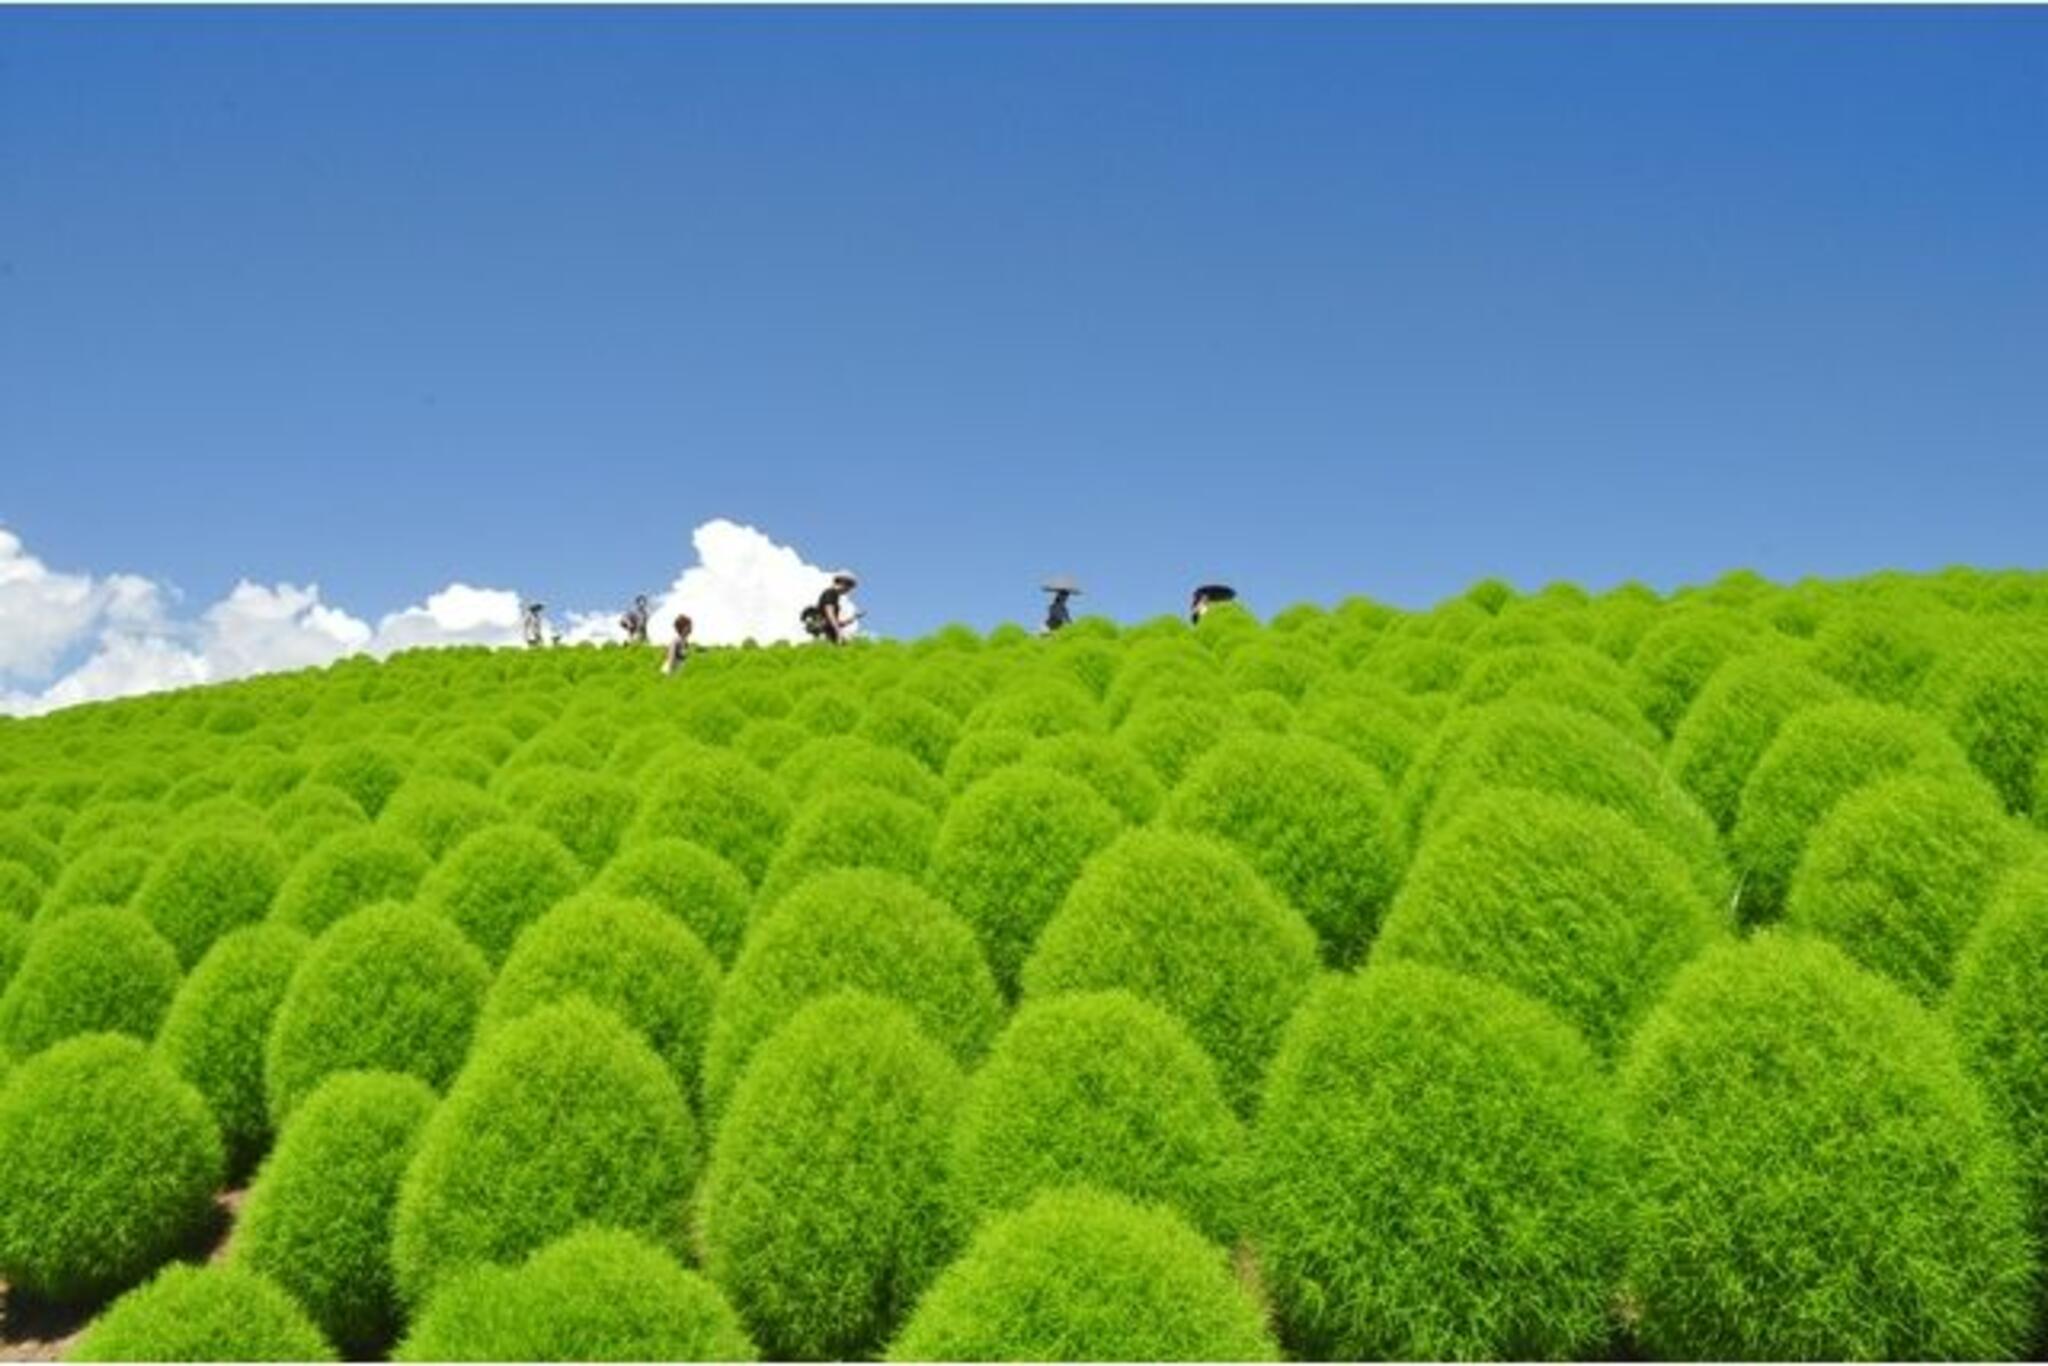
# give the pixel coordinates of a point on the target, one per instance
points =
(833, 616)
(533, 625)
(635, 621)
(1057, 614)
(678, 652)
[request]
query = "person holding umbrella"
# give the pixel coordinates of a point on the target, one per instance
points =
(1207, 596)
(1056, 614)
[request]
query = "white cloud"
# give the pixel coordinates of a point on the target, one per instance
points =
(744, 585)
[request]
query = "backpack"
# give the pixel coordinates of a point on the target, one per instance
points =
(813, 619)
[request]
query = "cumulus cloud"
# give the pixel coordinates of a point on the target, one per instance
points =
(743, 586)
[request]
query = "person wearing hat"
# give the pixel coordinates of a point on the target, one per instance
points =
(834, 615)
(533, 624)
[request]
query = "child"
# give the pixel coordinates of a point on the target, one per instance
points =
(678, 649)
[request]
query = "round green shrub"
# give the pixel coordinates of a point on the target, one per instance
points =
(842, 762)
(1733, 721)
(98, 970)
(1564, 901)
(1547, 748)
(1080, 1275)
(439, 813)
(1369, 731)
(390, 988)
(108, 1165)
(823, 1258)
(1819, 757)
(828, 711)
(1899, 872)
(853, 929)
(267, 777)
(1099, 1089)
(1267, 712)
(208, 883)
(719, 800)
(597, 1295)
(348, 871)
(563, 1118)
(212, 1313)
(1994, 696)
(1038, 705)
(1437, 1175)
(924, 730)
(1816, 1176)
(1115, 770)
(1878, 651)
(318, 1217)
(588, 812)
(1184, 921)
(498, 881)
(23, 847)
(214, 1035)
(106, 824)
(1171, 733)
(1314, 821)
(851, 828)
(1998, 1014)
(197, 788)
(21, 895)
(1009, 849)
(692, 884)
(1418, 666)
(628, 956)
(769, 742)
(1678, 655)
(366, 772)
(311, 815)
(1286, 668)
(14, 937)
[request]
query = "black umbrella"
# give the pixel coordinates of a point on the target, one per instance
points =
(1216, 592)
(1062, 583)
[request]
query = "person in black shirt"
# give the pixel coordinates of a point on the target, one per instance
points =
(831, 624)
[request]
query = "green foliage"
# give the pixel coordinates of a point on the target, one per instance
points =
(107, 876)
(101, 970)
(21, 895)
(1998, 1013)
(108, 1164)
(1184, 922)
(1676, 657)
(1099, 1089)
(390, 988)
(924, 730)
(588, 812)
(719, 800)
(1171, 733)
(1438, 1175)
(209, 883)
(860, 930)
(368, 773)
(769, 741)
(1994, 696)
(1733, 721)
(214, 1313)
(23, 847)
(1039, 706)
(311, 815)
(823, 1212)
(628, 956)
(1877, 651)
(692, 884)
(597, 1295)
(1007, 852)
(1080, 1275)
(498, 881)
(1808, 1151)
(844, 762)
(1315, 822)
(214, 1035)
(348, 871)
(1899, 872)
(851, 828)
(1369, 730)
(14, 936)
(1819, 757)
(1115, 770)
(318, 1218)
(563, 1118)
(438, 813)
(1564, 901)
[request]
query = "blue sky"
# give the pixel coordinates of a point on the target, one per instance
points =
(1315, 301)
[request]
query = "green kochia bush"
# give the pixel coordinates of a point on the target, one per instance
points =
(563, 1118)
(1819, 757)
(852, 829)
(208, 883)
(1817, 1176)
(214, 1035)
(1999, 1015)
(598, 1295)
(1080, 1275)
(365, 772)
(97, 970)
(692, 884)
(21, 893)
(588, 812)
(1171, 733)
(1733, 722)
(843, 762)
(1994, 696)
(22, 846)
(1564, 901)
(1184, 922)
(498, 881)
(1438, 1175)
(350, 870)
(312, 814)
(1008, 851)
(1899, 872)
(1679, 654)
(719, 800)
(214, 1313)
(438, 813)
(107, 876)
(108, 1164)
(921, 729)
(318, 1218)
(627, 956)
(861, 930)
(392, 988)
(823, 1256)
(1314, 821)
(1099, 1089)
